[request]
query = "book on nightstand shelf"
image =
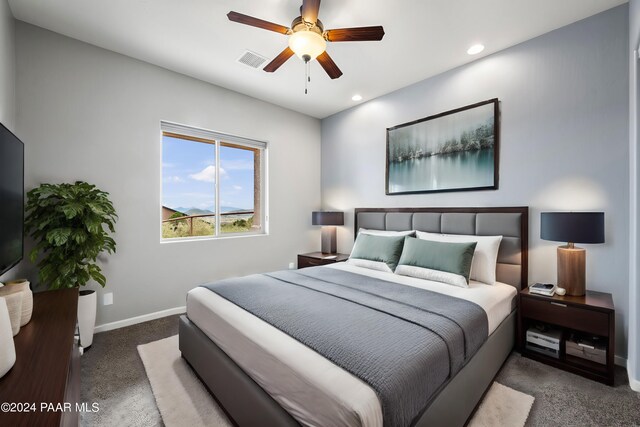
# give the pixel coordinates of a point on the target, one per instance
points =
(545, 289)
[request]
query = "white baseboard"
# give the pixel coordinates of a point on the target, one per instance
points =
(139, 319)
(620, 361)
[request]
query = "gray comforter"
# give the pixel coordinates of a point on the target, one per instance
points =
(404, 342)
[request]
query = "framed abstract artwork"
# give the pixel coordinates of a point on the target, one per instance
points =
(452, 151)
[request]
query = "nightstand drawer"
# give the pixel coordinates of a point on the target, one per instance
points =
(314, 259)
(310, 262)
(559, 313)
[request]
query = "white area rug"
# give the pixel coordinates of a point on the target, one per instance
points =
(502, 406)
(184, 401)
(181, 398)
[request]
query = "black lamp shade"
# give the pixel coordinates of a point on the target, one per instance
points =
(574, 227)
(327, 218)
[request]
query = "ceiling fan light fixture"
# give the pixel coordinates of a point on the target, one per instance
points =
(307, 44)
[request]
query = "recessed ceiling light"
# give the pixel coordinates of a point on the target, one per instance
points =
(356, 97)
(476, 48)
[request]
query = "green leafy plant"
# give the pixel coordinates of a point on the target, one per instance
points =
(71, 225)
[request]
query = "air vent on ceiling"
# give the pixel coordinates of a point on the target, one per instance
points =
(252, 59)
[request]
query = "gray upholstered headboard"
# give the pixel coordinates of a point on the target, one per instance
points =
(511, 222)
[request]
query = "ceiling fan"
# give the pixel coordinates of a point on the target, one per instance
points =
(308, 38)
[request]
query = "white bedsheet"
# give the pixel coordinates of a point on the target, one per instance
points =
(312, 389)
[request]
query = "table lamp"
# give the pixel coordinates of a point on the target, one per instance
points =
(328, 220)
(572, 227)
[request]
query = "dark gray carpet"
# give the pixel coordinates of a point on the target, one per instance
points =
(564, 399)
(113, 376)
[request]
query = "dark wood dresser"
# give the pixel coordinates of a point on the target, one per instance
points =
(47, 369)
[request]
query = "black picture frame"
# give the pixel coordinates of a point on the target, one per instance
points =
(490, 143)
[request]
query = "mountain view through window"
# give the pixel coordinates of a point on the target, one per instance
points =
(209, 187)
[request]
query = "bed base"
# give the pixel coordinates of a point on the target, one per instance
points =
(249, 405)
(242, 399)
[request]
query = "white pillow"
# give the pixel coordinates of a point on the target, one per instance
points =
(372, 265)
(429, 274)
(485, 257)
(386, 232)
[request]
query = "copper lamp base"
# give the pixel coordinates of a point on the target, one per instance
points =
(571, 269)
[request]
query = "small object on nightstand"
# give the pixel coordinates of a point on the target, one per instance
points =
(589, 348)
(561, 291)
(545, 289)
(544, 340)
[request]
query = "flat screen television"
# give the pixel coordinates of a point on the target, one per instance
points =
(11, 199)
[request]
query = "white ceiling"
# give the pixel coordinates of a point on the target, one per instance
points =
(194, 37)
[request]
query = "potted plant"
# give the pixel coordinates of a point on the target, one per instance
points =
(71, 225)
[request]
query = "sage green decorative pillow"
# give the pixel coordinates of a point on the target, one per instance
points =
(377, 251)
(440, 261)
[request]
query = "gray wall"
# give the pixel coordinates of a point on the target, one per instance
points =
(7, 66)
(91, 114)
(634, 109)
(564, 146)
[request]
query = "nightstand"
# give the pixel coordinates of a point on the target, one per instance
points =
(313, 259)
(592, 314)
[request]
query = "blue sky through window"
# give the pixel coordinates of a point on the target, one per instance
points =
(188, 176)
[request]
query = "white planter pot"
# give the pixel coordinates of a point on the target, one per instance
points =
(87, 304)
(7, 349)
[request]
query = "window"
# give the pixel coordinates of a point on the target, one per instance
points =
(212, 184)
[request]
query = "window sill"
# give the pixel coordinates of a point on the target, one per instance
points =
(225, 236)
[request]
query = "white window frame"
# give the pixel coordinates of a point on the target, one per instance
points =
(217, 138)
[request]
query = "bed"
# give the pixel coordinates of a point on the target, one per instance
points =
(262, 376)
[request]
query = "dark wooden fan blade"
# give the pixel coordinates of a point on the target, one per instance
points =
(359, 34)
(255, 22)
(329, 66)
(310, 10)
(278, 60)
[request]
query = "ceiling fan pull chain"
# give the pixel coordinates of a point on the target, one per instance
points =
(307, 78)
